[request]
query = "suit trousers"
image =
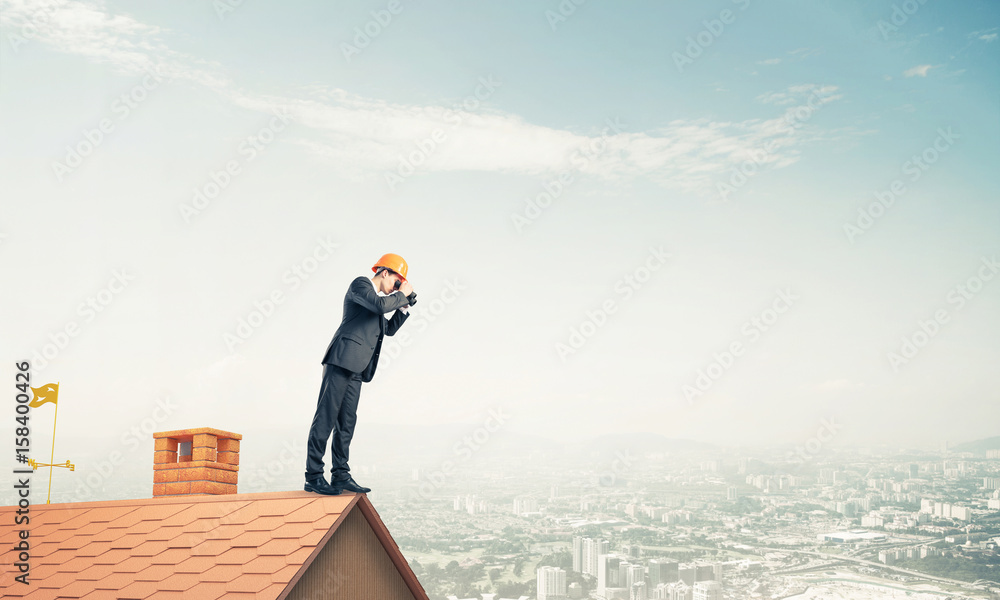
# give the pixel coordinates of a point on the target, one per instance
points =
(336, 413)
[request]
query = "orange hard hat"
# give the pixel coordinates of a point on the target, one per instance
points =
(393, 262)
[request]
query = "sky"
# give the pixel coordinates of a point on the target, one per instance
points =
(729, 222)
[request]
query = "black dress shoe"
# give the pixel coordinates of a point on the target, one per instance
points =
(352, 486)
(320, 486)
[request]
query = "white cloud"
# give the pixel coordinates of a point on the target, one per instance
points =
(918, 71)
(986, 35)
(364, 137)
(800, 94)
(770, 61)
(802, 53)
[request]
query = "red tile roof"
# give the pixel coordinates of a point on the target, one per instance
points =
(203, 547)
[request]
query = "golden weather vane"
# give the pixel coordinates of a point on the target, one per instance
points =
(43, 395)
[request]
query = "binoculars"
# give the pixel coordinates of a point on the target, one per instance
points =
(413, 295)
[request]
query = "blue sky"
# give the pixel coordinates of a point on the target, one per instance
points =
(806, 110)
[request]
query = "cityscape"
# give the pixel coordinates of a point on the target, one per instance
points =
(644, 517)
(692, 525)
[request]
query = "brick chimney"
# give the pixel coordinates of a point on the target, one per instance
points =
(191, 462)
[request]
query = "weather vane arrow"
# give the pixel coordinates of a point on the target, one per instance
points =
(43, 395)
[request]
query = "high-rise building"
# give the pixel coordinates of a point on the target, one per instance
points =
(686, 574)
(608, 573)
(578, 554)
(551, 583)
(592, 550)
(825, 476)
(707, 590)
(525, 504)
(632, 575)
(637, 591)
(704, 572)
(672, 591)
(962, 513)
(662, 570)
(914, 471)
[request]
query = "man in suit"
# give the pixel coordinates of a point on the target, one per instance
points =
(350, 360)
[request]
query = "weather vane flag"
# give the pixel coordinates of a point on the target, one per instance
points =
(43, 395)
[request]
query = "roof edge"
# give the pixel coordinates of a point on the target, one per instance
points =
(167, 500)
(391, 548)
(319, 548)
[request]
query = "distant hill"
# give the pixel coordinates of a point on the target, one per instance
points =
(979, 446)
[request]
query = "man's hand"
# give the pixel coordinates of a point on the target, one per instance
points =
(406, 288)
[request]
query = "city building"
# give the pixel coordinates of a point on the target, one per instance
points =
(704, 572)
(707, 590)
(608, 574)
(525, 505)
(551, 583)
(592, 550)
(637, 591)
(662, 570)
(852, 537)
(673, 591)
(686, 574)
(578, 554)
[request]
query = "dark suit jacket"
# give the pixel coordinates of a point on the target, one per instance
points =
(358, 340)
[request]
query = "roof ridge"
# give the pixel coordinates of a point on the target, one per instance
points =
(186, 499)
